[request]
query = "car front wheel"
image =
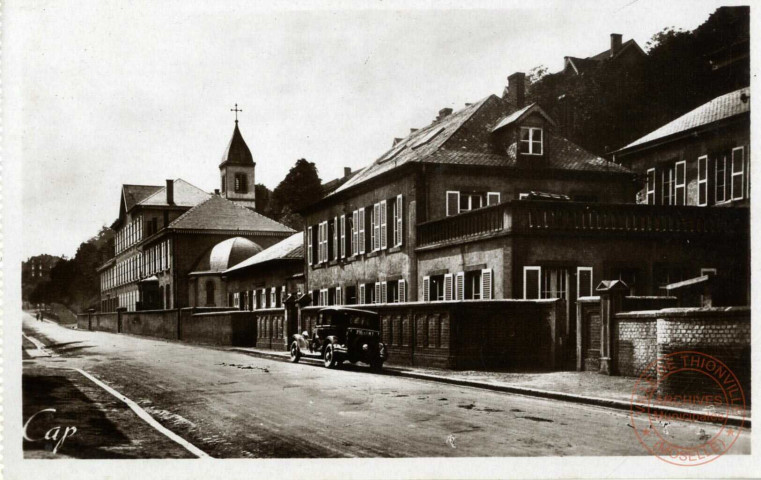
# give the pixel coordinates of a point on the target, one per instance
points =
(295, 353)
(330, 357)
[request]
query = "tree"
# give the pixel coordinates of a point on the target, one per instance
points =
(263, 195)
(300, 187)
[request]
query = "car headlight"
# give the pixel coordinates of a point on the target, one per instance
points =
(365, 347)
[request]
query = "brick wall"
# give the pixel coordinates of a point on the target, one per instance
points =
(635, 344)
(723, 333)
(477, 334)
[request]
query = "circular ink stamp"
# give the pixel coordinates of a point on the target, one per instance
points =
(681, 408)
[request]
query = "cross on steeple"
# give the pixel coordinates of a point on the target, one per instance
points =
(236, 110)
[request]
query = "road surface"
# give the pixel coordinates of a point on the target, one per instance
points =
(231, 405)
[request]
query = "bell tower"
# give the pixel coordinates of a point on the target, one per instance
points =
(237, 169)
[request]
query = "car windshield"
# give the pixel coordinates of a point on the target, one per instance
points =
(363, 321)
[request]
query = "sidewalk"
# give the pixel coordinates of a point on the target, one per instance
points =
(579, 387)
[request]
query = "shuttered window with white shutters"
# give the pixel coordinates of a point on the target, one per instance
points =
(402, 286)
(361, 235)
(487, 284)
(460, 286)
(426, 289)
(448, 287)
(383, 229)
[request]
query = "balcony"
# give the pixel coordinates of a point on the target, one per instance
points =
(560, 218)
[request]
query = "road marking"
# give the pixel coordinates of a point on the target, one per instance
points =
(147, 417)
(40, 347)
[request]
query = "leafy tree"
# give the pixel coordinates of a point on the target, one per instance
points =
(300, 187)
(263, 195)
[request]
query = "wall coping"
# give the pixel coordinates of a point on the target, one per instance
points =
(650, 297)
(668, 313)
(506, 301)
(266, 310)
(226, 312)
(589, 299)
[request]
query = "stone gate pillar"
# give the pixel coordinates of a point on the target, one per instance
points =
(612, 293)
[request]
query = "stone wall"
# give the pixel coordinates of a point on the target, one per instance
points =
(151, 323)
(232, 328)
(105, 322)
(467, 334)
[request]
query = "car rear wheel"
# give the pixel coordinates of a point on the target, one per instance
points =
(295, 353)
(330, 357)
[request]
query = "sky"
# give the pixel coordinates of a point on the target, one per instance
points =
(105, 93)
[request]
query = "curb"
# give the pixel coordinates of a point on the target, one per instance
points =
(532, 392)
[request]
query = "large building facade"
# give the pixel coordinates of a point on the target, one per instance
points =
(363, 241)
(162, 232)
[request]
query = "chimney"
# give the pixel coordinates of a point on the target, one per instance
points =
(516, 90)
(443, 113)
(347, 171)
(396, 140)
(170, 192)
(216, 191)
(615, 43)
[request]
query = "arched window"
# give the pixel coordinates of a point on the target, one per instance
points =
(210, 293)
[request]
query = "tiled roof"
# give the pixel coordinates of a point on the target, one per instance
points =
(606, 53)
(406, 151)
(237, 152)
(134, 194)
(185, 195)
(565, 156)
(217, 213)
(519, 114)
(432, 144)
(719, 108)
(292, 248)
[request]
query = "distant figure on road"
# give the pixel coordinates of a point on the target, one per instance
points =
(39, 315)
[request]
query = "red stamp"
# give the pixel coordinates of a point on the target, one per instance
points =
(687, 408)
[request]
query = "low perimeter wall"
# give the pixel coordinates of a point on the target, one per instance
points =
(722, 332)
(234, 328)
(479, 334)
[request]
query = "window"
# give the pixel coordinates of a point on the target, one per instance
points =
(342, 237)
(375, 230)
(241, 183)
(680, 182)
(361, 221)
(354, 232)
(351, 295)
(362, 294)
(738, 173)
(667, 182)
(531, 141)
(433, 288)
(462, 201)
(397, 221)
(310, 253)
(721, 179)
(703, 181)
(383, 222)
(224, 184)
(555, 283)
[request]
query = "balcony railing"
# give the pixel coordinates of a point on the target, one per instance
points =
(572, 217)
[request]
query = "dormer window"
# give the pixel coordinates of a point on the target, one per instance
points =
(531, 141)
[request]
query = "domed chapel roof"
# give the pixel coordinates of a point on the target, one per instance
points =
(227, 253)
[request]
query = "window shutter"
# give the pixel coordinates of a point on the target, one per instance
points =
(492, 198)
(426, 289)
(460, 286)
(487, 284)
(376, 226)
(448, 286)
(377, 292)
(399, 220)
(361, 237)
(383, 293)
(342, 239)
(309, 246)
(339, 296)
(354, 233)
(453, 203)
(383, 210)
(236, 299)
(402, 287)
(273, 297)
(361, 298)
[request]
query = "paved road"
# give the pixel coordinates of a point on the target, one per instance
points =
(232, 405)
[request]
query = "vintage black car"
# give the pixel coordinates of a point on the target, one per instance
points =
(343, 334)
